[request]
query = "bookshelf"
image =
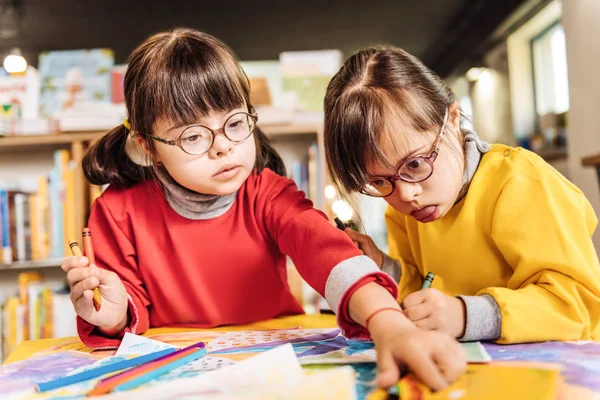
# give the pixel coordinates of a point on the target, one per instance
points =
(291, 140)
(27, 143)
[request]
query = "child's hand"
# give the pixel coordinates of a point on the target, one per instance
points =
(112, 316)
(434, 357)
(367, 245)
(433, 310)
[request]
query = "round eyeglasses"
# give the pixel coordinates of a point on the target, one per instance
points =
(198, 139)
(411, 170)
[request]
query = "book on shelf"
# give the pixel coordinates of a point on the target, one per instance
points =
(306, 74)
(308, 176)
(38, 311)
(37, 225)
(19, 106)
(72, 77)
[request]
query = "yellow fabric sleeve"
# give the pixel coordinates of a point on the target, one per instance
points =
(542, 227)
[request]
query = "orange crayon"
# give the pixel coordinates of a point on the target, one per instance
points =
(89, 253)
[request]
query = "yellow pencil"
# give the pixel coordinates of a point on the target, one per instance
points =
(77, 252)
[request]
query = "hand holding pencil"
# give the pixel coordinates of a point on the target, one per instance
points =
(98, 295)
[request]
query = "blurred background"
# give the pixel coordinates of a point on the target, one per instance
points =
(525, 73)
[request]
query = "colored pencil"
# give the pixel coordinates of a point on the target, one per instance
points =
(108, 384)
(155, 373)
(102, 370)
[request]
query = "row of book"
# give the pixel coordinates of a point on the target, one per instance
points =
(39, 311)
(77, 90)
(37, 225)
(308, 176)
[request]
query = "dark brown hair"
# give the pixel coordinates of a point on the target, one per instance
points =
(182, 76)
(373, 87)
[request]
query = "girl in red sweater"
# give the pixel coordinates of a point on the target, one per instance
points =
(197, 220)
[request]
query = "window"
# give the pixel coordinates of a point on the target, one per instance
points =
(549, 55)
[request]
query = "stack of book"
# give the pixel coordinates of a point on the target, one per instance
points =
(39, 311)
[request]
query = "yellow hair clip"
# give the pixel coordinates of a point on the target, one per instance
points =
(126, 124)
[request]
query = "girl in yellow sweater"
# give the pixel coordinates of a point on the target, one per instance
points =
(507, 236)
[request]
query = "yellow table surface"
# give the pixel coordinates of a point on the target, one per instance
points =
(312, 321)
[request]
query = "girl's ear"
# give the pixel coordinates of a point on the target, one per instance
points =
(454, 116)
(142, 144)
(137, 150)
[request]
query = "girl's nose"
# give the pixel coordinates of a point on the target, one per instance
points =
(220, 147)
(406, 191)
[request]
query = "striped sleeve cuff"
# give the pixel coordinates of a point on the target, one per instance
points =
(391, 267)
(484, 320)
(344, 279)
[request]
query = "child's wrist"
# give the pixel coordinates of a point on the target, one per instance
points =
(116, 329)
(386, 320)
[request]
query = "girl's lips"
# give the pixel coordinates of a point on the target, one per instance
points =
(227, 173)
(424, 213)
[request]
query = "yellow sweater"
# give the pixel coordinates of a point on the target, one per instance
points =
(522, 234)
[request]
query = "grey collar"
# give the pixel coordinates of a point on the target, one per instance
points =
(190, 204)
(474, 150)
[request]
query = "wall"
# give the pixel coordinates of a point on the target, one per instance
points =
(486, 102)
(490, 96)
(520, 68)
(257, 30)
(582, 30)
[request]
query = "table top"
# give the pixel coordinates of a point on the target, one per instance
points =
(307, 321)
(590, 161)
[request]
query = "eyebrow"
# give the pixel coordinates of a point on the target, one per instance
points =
(397, 165)
(229, 114)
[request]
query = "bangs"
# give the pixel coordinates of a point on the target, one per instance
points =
(373, 131)
(189, 77)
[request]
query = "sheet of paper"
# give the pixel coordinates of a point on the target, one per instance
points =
(336, 383)
(139, 345)
(476, 353)
(247, 341)
(341, 357)
(21, 376)
(278, 365)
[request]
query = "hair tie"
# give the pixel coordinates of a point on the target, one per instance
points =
(126, 124)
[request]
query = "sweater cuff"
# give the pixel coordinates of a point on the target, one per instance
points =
(344, 279)
(391, 267)
(484, 320)
(93, 338)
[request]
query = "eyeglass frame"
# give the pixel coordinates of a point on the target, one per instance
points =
(214, 133)
(430, 159)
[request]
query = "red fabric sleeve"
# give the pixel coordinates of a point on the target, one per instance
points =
(302, 232)
(115, 252)
(349, 327)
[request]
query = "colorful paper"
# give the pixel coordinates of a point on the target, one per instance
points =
(490, 382)
(476, 353)
(278, 365)
(580, 360)
(135, 344)
(21, 376)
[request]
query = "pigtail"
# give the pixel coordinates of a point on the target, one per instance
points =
(266, 155)
(107, 162)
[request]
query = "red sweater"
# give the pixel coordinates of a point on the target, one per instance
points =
(227, 270)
